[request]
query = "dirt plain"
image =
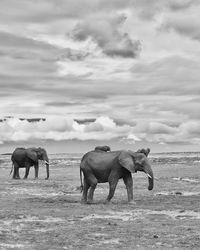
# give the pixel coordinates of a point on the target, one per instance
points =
(47, 214)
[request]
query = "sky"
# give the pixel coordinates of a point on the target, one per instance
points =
(118, 73)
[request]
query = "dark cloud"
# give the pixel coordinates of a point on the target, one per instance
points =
(62, 104)
(127, 48)
(187, 25)
(106, 33)
(73, 55)
(85, 121)
(179, 5)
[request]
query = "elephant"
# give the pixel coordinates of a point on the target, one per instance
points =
(102, 148)
(101, 167)
(27, 157)
(144, 151)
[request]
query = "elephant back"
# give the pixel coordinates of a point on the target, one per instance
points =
(94, 158)
(18, 154)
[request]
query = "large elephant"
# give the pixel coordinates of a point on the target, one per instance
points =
(102, 148)
(100, 167)
(27, 157)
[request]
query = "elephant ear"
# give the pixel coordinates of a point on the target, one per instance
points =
(31, 154)
(126, 161)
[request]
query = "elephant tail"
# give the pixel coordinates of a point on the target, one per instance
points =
(81, 187)
(11, 169)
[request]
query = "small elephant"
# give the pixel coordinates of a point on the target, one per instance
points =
(144, 151)
(27, 157)
(110, 167)
(102, 148)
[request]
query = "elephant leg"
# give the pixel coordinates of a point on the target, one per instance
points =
(93, 183)
(128, 181)
(16, 171)
(112, 186)
(36, 170)
(85, 191)
(26, 172)
(18, 177)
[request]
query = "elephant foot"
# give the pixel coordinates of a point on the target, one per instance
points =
(107, 202)
(90, 202)
(132, 202)
(83, 201)
(46, 178)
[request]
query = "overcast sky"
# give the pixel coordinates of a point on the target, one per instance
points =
(132, 67)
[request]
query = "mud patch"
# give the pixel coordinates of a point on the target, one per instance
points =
(37, 192)
(59, 200)
(110, 242)
(186, 179)
(104, 239)
(12, 246)
(31, 192)
(143, 214)
(21, 221)
(178, 193)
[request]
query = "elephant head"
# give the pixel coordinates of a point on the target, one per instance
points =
(36, 154)
(144, 151)
(134, 162)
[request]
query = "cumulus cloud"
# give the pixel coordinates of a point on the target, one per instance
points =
(184, 133)
(106, 33)
(103, 128)
(58, 128)
(130, 139)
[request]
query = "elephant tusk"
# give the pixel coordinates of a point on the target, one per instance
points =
(46, 162)
(149, 176)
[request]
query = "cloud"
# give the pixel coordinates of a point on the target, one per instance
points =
(50, 10)
(180, 16)
(101, 129)
(175, 75)
(130, 139)
(106, 33)
(74, 59)
(59, 128)
(26, 56)
(154, 128)
(186, 24)
(149, 10)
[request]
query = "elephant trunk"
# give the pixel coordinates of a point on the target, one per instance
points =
(46, 160)
(149, 173)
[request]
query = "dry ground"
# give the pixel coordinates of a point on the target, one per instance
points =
(40, 214)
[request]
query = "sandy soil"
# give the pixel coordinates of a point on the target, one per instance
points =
(40, 214)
